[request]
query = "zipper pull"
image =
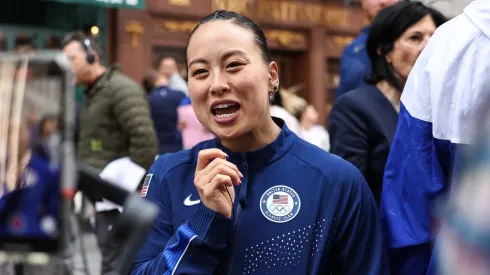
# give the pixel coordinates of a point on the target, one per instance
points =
(244, 160)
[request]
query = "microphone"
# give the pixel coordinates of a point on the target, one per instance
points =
(96, 188)
(136, 219)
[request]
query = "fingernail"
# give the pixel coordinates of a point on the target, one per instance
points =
(241, 175)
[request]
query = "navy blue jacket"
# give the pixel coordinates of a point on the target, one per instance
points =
(163, 105)
(298, 210)
(354, 64)
(361, 126)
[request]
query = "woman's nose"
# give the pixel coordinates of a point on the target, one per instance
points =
(219, 84)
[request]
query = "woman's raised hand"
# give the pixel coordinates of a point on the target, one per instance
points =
(214, 179)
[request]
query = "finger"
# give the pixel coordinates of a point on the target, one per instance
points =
(223, 170)
(219, 182)
(222, 182)
(218, 161)
(206, 156)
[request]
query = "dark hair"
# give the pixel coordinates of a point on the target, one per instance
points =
(23, 40)
(149, 80)
(45, 119)
(53, 42)
(241, 21)
(277, 98)
(80, 37)
(3, 44)
(386, 28)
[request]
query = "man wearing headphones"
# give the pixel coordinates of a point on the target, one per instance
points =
(114, 122)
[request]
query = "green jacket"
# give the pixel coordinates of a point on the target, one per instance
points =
(115, 122)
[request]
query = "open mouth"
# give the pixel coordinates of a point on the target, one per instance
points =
(225, 110)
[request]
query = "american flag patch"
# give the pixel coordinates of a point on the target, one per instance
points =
(280, 199)
(146, 185)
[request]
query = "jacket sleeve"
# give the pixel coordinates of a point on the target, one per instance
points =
(132, 112)
(348, 133)
(416, 173)
(359, 241)
(194, 247)
(352, 73)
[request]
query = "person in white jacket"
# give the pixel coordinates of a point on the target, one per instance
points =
(445, 93)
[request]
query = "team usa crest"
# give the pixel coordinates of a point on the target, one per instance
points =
(280, 204)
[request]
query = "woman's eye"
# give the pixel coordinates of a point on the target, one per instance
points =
(234, 64)
(414, 38)
(198, 72)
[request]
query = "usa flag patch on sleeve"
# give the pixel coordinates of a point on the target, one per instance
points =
(146, 185)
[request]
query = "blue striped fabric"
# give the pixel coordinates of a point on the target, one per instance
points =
(175, 251)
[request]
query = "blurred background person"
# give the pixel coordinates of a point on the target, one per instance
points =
(163, 106)
(190, 127)
(49, 139)
(363, 122)
(443, 97)
(463, 246)
(282, 99)
(3, 43)
(114, 123)
(311, 131)
(463, 241)
(354, 62)
(24, 44)
(168, 67)
(53, 42)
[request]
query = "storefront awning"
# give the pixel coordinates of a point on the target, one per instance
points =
(133, 4)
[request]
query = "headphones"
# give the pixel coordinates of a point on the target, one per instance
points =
(90, 50)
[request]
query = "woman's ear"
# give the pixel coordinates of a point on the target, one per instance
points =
(388, 58)
(273, 75)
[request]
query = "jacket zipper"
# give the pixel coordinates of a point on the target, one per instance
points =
(236, 222)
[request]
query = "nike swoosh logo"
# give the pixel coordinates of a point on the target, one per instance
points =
(188, 202)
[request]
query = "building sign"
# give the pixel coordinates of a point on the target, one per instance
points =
(243, 7)
(135, 4)
(180, 3)
(288, 11)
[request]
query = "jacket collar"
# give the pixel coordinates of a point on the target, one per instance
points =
(103, 80)
(268, 154)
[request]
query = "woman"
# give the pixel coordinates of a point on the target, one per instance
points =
(257, 199)
(363, 122)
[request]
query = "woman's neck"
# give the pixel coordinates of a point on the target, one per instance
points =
(391, 93)
(254, 140)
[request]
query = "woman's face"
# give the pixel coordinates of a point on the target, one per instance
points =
(229, 83)
(409, 45)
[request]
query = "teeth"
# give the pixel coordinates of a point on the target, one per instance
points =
(222, 106)
(223, 116)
